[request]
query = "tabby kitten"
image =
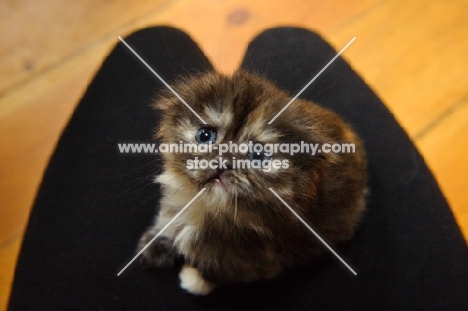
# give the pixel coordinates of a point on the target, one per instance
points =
(238, 230)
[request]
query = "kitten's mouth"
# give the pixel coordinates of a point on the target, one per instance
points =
(215, 178)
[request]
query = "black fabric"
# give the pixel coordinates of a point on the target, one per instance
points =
(94, 203)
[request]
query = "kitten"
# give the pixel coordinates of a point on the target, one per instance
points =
(237, 230)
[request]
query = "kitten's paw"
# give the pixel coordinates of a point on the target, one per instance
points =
(192, 281)
(161, 253)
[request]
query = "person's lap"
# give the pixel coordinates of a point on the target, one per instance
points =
(94, 202)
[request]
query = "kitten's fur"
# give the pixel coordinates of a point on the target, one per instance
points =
(237, 230)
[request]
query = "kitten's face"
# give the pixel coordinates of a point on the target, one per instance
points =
(237, 110)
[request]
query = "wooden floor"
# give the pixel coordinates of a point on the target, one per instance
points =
(412, 53)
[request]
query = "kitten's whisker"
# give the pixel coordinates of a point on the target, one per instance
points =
(235, 206)
(150, 197)
(142, 166)
(137, 185)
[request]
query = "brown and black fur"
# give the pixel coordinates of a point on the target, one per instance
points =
(242, 232)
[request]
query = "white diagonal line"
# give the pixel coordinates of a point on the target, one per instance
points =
(312, 230)
(161, 79)
(313, 79)
(162, 230)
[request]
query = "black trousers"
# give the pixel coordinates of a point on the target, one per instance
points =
(94, 203)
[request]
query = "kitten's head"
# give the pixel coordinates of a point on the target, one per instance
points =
(237, 110)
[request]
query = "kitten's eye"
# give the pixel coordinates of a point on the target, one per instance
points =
(205, 135)
(258, 156)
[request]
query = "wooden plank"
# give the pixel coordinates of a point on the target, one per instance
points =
(34, 118)
(224, 28)
(30, 123)
(413, 53)
(445, 150)
(8, 253)
(33, 114)
(37, 35)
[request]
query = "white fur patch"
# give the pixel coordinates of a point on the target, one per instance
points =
(217, 118)
(218, 197)
(253, 129)
(243, 179)
(192, 281)
(256, 130)
(186, 129)
(173, 181)
(267, 136)
(183, 238)
(168, 178)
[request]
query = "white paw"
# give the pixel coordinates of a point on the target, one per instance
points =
(193, 282)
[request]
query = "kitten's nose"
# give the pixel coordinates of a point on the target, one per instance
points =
(227, 165)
